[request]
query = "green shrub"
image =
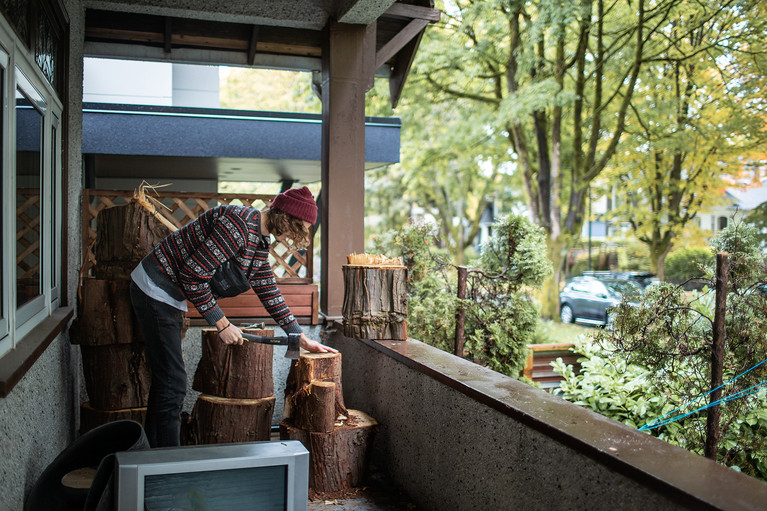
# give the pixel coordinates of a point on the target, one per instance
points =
(686, 263)
(500, 316)
(630, 393)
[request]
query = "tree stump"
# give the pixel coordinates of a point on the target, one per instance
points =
(338, 439)
(117, 376)
(91, 418)
(240, 372)
(337, 459)
(125, 234)
(313, 368)
(375, 302)
(218, 420)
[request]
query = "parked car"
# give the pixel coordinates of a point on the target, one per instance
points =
(587, 299)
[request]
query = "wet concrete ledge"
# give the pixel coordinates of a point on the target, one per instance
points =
(455, 435)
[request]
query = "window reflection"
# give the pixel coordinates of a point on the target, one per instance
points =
(29, 136)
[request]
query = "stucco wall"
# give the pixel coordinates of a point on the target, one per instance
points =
(36, 422)
(454, 435)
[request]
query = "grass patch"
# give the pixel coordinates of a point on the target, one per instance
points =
(554, 331)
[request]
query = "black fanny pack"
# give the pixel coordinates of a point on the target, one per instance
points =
(229, 280)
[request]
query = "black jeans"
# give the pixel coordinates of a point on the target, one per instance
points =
(161, 325)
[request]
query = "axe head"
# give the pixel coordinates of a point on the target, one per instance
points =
(294, 347)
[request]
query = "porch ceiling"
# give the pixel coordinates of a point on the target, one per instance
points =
(153, 142)
(274, 34)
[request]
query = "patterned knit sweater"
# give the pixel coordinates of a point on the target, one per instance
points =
(184, 262)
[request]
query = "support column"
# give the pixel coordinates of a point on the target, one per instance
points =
(347, 73)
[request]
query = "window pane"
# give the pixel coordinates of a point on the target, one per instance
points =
(29, 135)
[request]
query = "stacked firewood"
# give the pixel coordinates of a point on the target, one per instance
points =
(236, 403)
(338, 440)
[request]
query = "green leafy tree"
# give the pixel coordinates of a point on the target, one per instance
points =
(698, 108)
(559, 78)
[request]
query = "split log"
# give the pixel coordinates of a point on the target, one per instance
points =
(91, 418)
(105, 314)
(375, 302)
(315, 407)
(232, 371)
(337, 459)
(309, 369)
(124, 235)
(117, 376)
(218, 420)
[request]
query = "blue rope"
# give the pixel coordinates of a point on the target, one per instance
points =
(659, 422)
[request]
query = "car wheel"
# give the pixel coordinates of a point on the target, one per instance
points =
(566, 314)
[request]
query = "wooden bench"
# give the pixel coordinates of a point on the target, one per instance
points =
(303, 300)
(538, 365)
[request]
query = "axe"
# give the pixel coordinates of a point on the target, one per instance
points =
(292, 341)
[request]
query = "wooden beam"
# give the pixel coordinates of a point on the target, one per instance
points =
(414, 12)
(252, 46)
(397, 42)
(401, 69)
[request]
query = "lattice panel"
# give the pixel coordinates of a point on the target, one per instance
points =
(182, 208)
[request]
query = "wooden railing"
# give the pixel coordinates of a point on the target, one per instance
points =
(291, 266)
(538, 364)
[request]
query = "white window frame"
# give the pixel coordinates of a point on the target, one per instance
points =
(21, 72)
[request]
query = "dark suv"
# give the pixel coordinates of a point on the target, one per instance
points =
(587, 299)
(643, 279)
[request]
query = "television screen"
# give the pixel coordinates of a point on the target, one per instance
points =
(261, 476)
(261, 488)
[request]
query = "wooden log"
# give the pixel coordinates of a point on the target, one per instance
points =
(375, 302)
(315, 407)
(232, 371)
(117, 376)
(312, 368)
(124, 235)
(337, 459)
(218, 420)
(105, 314)
(92, 417)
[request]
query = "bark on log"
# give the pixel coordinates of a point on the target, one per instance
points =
(105, 314)
(375, 302)
(91, 417)
(337, 459)
(232, 371)
(117, 376)
(124, 235)
(218, 420)
(313, 368)
(315, 407)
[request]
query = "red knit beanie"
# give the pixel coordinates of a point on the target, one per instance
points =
(297, 202)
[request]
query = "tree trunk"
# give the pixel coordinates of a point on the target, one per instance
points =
(313, 368)
(550, 291)
(375, 302)
(218, 420)
(337, 459)
(124, 235)
(117, 376)
(233, 371)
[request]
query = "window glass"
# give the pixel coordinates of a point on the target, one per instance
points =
(55, 215)
(29, 143)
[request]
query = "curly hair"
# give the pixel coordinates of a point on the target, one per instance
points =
(278, 222)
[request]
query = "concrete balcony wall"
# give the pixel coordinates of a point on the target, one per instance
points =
(455, 435)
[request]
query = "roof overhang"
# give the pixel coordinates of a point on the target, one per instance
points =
(153, 142)
(278, 35)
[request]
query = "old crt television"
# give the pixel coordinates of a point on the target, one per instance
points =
(261, 476)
